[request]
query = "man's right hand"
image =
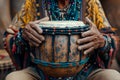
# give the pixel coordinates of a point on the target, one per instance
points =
(33, 33)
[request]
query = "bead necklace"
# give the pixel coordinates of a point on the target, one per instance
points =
(72, 12)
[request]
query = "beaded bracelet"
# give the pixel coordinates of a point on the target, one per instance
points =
(106, 44)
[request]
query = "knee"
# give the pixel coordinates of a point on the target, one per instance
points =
(12, 76)
(19, 75)
(108, 74)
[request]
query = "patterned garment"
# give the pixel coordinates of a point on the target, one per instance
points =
(6, 65)
(19, 49)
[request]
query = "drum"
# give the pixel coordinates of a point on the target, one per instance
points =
(58, 55)
(6, 65)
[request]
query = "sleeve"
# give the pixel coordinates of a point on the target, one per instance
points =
(17, 48)
(106, 54)
(15, 45)
(95, 12)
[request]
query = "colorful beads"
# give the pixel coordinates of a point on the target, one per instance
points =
(37, 5)
(38, 14)
(65, 31)
(71, 12)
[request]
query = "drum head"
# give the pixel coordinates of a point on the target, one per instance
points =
(62, 24)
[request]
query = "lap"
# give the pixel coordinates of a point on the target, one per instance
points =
(104, 74)
(25, 74)
(31, 74)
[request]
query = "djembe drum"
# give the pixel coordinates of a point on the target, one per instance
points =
(59, 56)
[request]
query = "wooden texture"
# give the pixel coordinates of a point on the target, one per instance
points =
(60, 51)
(60, 55)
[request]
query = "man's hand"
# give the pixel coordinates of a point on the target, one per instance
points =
(92, 39)
(33, 33)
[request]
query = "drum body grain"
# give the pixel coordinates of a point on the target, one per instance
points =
(58, 55)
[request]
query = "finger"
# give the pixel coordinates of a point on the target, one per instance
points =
(89, 22)
(88, 33)
(11, 26)
(33, 43)
(25, 36)
(86, 46)
(43, 19)
(36, 27)
(86, 39)
(89, 50)
(98, 43)
(10, 31)
(32, 31)
(15, 29)
(37, 22)
(33, 38)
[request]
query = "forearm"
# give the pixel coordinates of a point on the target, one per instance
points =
(5, 12)
(108, 52)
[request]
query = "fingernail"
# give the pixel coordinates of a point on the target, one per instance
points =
(41, 31)
(78, 41)
(79, 48)
(82, 35)
(85, 53)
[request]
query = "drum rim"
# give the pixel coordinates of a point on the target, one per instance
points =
(64, 31)
(60, 64)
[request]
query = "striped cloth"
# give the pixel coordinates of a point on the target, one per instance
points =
(6, 65)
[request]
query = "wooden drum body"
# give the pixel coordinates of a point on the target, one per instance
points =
(58, 56)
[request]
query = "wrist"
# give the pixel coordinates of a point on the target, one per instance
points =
(103, 41)
(105, 50)
(105, 44)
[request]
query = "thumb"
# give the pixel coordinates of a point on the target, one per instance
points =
(89, 22)
(43, 19)
(36, 22)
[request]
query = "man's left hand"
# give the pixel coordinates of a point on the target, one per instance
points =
(92, 39)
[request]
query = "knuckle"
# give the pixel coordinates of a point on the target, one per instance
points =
(79, 48)
(30, 37)
(26, 27)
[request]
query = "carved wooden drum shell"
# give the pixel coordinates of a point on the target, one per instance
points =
(58, 55)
